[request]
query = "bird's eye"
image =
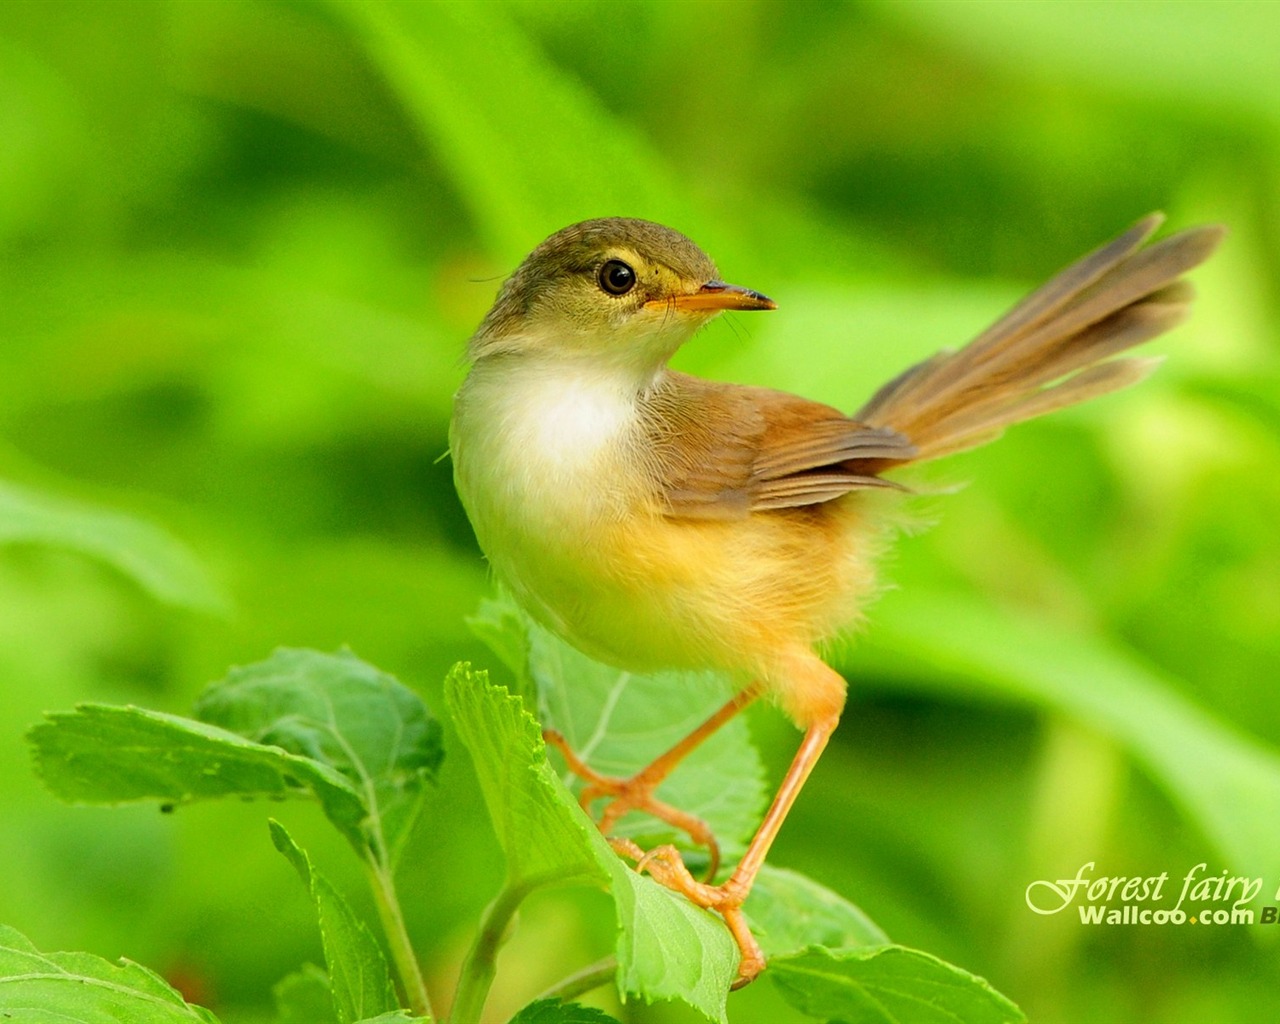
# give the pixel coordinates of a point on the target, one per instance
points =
(617, 278)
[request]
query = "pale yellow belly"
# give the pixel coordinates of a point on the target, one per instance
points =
(742, 596)
(550, 474)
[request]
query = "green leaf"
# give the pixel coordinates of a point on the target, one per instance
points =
(620, 721)
(501, 625)
(163, 567)
(1228, 783)
(887, 985)
(341, 712)
(57, 988)
(553, 1011)
(789, 912)
(304, 997)
(299, 724)
(499, 124)
(359, 977)
(667, 948)
(533, 815)
(102, 754)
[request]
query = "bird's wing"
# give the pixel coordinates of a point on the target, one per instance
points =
(722, 451)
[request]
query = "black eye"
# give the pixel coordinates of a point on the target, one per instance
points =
(617, 278)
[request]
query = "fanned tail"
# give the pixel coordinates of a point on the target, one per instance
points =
(1053, 349)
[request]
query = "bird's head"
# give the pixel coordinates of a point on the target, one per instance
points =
(614, 290)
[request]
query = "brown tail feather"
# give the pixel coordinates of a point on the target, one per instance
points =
(1053, 349)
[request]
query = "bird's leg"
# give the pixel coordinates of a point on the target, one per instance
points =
(814, 698)
(664, 864)
(637, 792)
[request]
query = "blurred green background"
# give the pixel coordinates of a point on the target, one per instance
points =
(242, 244)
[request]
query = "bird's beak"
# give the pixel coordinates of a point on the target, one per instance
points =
(716, 295)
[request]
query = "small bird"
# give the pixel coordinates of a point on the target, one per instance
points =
(657, 520)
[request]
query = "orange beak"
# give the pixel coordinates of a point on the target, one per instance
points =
(715, 296)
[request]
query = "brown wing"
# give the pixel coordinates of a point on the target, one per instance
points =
(721, 451)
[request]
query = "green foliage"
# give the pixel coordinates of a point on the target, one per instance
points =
(394, 1017)
(241, 245)
(618, 722)
(789, 912)
(667, 948)
(299, 724)
(146, 554)
(540, 838)
(304, 997)
(336, 708)
(103, 754)
(552, 1011)
(887, 984)
(338, 711)
(359, 979)
(1227, 783)
(45, 988)
(499, 124)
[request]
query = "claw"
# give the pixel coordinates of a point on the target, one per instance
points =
(633, 794)
(664, 863)
(665, 867)
(626, 848)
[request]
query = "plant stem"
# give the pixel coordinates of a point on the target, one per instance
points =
(481, 962)
(593, 976)
(402, 955)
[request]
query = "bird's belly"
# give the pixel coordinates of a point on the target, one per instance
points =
(644, 592)
(576, 531)
(570, 551)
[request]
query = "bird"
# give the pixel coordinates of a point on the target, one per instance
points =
(657, 520)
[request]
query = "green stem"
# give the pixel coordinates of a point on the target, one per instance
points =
(592, 976)
(406, 963)
(481, 963)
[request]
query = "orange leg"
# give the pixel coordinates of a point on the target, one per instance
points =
(637, 792)
(666, 867)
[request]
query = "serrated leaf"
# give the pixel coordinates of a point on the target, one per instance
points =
(504, 629)
(532, 814)
(358, 974)
(103, 754)
(304, 997)
(166, 569)
(57, 988)
(789, 912)
(553, 1011)
(887, 985)
(618, 722)
(341, 712)
(667, 948)
(299, 724)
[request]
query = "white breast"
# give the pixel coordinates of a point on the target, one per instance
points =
(568, 424)
(537, 449)
(539, 457)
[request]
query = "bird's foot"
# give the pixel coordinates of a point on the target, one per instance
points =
(664, 866)
(635, 794)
